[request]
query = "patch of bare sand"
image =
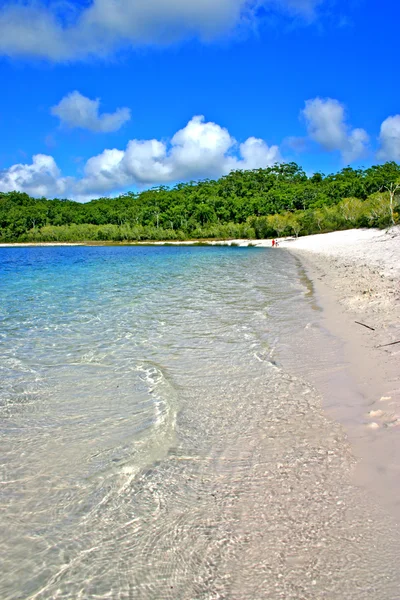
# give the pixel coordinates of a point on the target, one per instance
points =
(356, 275)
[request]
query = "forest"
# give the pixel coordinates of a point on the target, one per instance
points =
(275, 201)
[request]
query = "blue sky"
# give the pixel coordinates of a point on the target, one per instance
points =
(109, 95)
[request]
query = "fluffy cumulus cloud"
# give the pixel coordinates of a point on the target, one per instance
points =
(41, 178)
(389, 139)
(255, 152)
(66, 31)
(326, 125)
(75, 110)
(200, 149)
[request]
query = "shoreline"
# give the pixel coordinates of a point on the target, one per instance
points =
(270, 425)
(355, 277)
(347, 237)
(362, 391)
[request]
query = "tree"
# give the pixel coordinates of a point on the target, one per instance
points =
(351, 209)
(279, 223)
(265, 202)
(379, 176)
(295, 223)
(393, 189)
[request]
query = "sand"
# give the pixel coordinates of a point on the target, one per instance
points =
(356, 276)
(362, 270)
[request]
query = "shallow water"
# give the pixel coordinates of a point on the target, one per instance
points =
(155, 442)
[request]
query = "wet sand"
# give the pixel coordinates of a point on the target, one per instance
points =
(355, 275)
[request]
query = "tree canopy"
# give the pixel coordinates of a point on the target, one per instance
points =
(262, 202)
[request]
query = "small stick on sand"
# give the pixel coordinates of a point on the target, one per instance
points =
(391, 344)
(364, 325)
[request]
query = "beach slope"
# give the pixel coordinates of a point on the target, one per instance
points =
(356, 276)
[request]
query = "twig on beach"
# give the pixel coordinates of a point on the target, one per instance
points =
(391, 344)
(364, 325)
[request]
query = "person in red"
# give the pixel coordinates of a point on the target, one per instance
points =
(273, 243)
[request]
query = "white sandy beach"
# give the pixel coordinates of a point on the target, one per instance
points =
(356, 278)
(363, 247)
(356, 275)
(361, 270)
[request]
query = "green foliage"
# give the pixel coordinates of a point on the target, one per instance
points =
(278, 200)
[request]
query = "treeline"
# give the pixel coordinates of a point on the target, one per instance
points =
(278, 200)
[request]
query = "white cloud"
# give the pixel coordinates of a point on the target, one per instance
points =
(389, 139)
(42, 30)
(201, 149)
(255, 153)
(102, 174)
(75, 110)
(357, 145)
(146, 161)
(41, 178)
(326, 125)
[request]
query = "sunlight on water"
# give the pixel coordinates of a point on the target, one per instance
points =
(153, 444)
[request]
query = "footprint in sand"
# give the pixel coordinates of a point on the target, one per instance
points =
(395, 422)
(386, 419)
(375, 413)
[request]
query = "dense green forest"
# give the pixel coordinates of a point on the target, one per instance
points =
(276, 201)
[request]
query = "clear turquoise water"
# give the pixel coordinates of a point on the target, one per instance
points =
(145, 419)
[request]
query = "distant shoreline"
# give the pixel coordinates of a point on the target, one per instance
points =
(196, 242)
(313, 243)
